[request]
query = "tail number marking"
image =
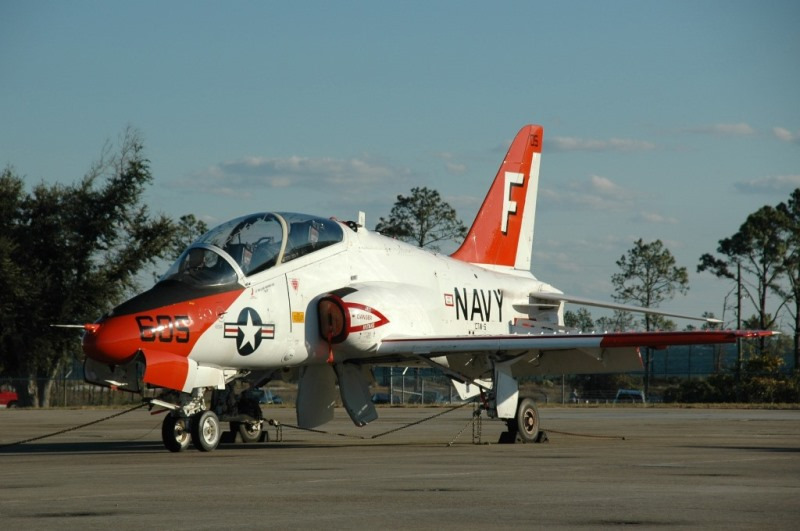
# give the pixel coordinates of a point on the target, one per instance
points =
(509, 206)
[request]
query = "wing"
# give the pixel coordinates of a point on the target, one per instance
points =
(439, 345)
(555, 353)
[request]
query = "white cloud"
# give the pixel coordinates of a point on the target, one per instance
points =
(462, 203)
(603, 184)
(740, 129)
(785, 135)
(781, 184)
(594, 193)
(562, 261)
(452, 167)
(655, 218)
(455, 169)
(566, 143)
(244, 176)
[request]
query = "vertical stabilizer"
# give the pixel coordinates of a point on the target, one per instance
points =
(502, 233)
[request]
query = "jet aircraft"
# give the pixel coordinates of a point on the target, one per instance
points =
(330, 299)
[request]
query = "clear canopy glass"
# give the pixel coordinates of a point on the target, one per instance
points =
(251, 244)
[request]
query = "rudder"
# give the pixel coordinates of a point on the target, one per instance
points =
(502, 233)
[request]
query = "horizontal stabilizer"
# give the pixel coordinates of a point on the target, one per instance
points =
(558, 297)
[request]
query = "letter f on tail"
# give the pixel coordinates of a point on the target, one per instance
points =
(502, 233)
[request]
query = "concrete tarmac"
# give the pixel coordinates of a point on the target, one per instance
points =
(602, 468)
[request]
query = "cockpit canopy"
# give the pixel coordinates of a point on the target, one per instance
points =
(251, 244)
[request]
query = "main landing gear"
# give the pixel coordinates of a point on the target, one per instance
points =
(503, 400)
(524, 427)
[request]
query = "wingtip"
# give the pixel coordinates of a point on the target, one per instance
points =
(753, 334)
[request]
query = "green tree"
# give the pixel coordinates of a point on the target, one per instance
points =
(790, 225)
(619, 322)
(758, 248)
(423, 219)
(659, 322)
(648, 276)
(68, 254)
(579, 320)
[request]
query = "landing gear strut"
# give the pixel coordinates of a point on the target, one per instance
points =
(501, 399)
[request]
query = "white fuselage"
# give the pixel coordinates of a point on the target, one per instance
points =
(416, 291)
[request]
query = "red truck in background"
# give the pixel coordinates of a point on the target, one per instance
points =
(8, 398)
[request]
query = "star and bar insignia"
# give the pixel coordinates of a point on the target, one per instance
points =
(249, 331)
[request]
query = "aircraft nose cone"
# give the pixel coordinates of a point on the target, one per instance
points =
(114, 340)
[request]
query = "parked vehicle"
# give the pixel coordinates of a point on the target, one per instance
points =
(8, 399)
(265, 396)
(629, 396)
(384, 398)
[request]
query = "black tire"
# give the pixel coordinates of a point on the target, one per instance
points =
(175, 433)
(527, 420)
(507, 437)
(250, 432)
(206, 432)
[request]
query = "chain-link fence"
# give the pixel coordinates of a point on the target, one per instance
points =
(670, 369)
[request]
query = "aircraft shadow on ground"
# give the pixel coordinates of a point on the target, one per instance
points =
(776, 449)
(97, 447)
(140, 447)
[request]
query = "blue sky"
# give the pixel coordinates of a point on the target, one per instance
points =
(663, 120)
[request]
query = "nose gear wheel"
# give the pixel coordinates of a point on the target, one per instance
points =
(175, 433)
(206, 432)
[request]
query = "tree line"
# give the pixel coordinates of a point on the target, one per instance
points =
(70, 252)
(762, 262)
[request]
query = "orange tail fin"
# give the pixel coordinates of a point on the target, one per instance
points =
(502, 233)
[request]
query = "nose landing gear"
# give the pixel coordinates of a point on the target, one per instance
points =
(206, 432)
(175, 433)
(191, 421)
